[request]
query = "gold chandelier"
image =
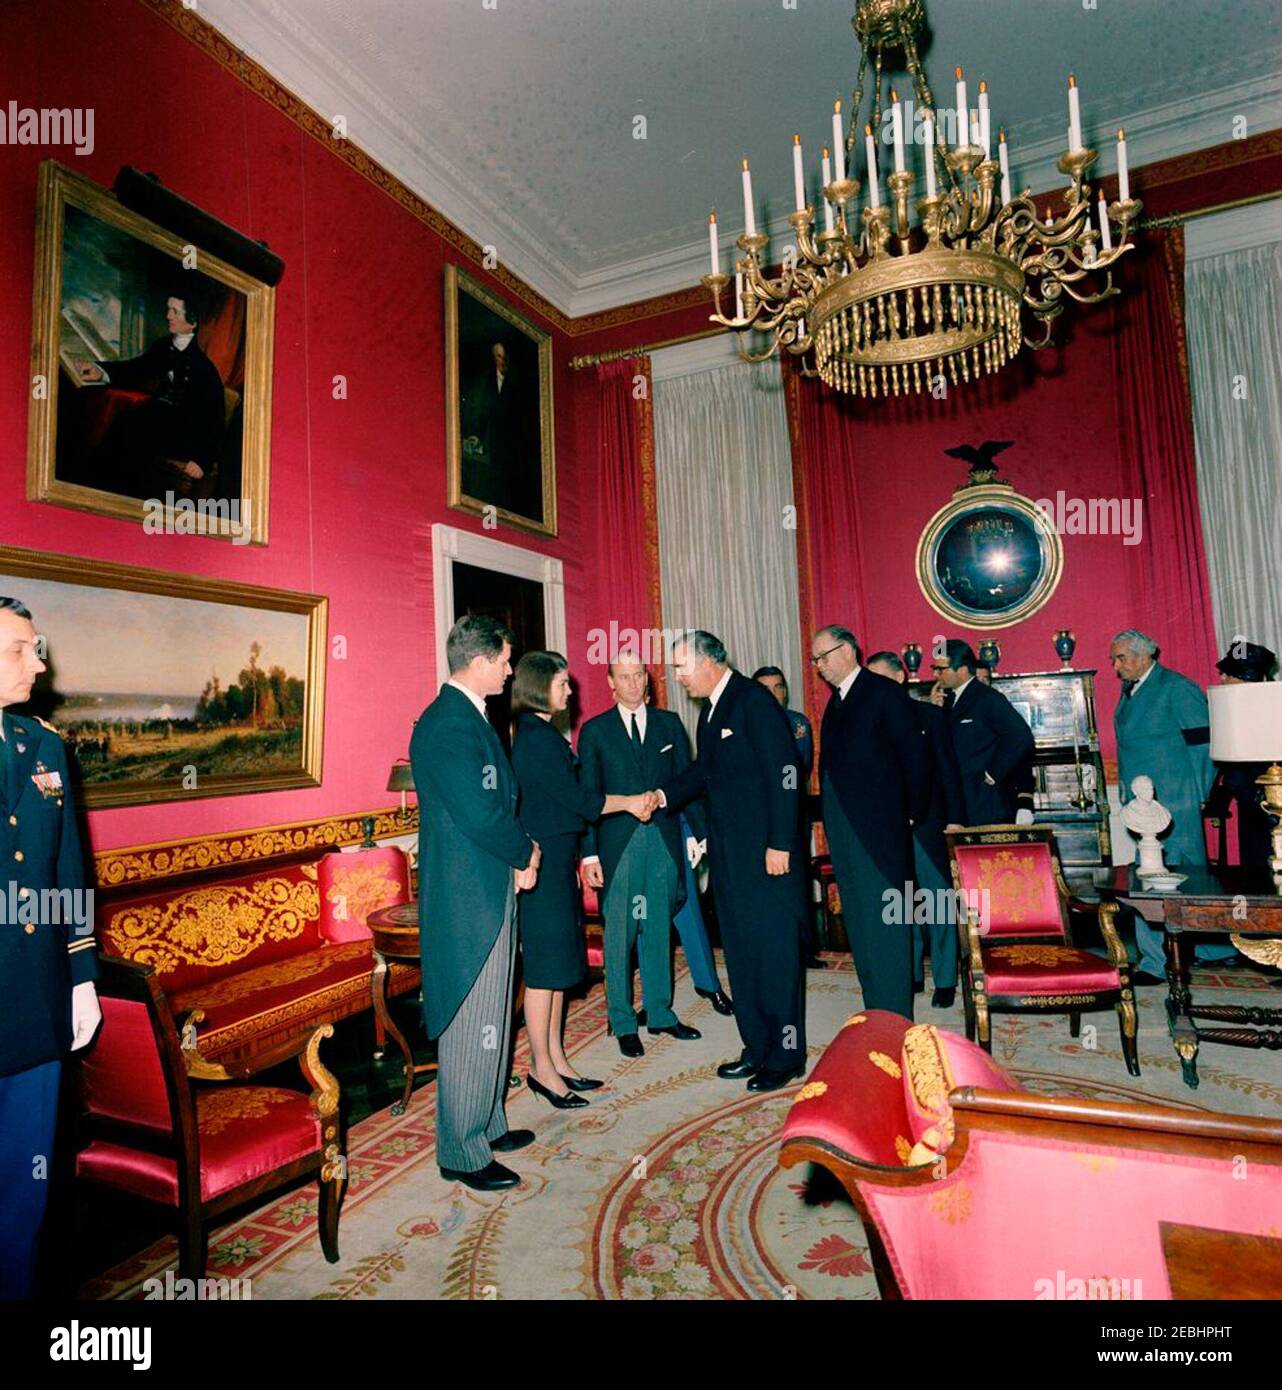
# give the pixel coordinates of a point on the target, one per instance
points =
(897, 307)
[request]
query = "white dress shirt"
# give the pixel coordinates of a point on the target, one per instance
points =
(1142, 679)
(844, 688)
(626, 716)
(717, 692)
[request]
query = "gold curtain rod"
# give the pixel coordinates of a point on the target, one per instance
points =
(1174, 219)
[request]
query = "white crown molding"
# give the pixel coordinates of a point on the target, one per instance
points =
(284, 47)
(1238, 229)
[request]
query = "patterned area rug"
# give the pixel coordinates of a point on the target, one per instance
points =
(667, 1185)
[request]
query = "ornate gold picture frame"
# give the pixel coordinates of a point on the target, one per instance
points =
(500, 447)
(151, 370)
(173, 687)
(989, 558)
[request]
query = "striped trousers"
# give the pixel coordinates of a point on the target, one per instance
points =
(472, 1053)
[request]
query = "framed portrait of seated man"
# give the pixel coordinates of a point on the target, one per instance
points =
(151, 370)
(498, 402)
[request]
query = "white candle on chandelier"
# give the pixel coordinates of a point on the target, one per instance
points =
(1074, 115)
(712, 241)
(738, 294)
(873, 191)
(962, 111)
(838, 141)
(827, 177)
(1105, 231)
(749, 217)
(1003, 158)
(1123, 173)
(928, 131)
(798, 179)
(897, 130)
(983, 119)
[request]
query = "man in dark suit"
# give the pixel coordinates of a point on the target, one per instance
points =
(993, 744)
(473, 858)
(746, 767)
(501, 446)
(48, 1005)
(873, 778)
(181, 426)
(637, 867)
(776, 683)
(945, 811)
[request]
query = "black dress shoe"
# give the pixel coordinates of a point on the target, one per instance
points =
(720, 1000)
(736, 1071)
(1142, 977)
(943, 998)
(581, 1083)
(681, 1031)
(641, 1016)
(492, 1178)
(766, 1080)
(919, 986)
(630, 1045)
(511, 1141)
(814, 963)
(570, 1102)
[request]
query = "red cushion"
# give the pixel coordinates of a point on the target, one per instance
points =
(278, 1000)
(354, 884)
(935, 1063)
(245, 1132)
(1013, 888)
(1039, 969)
(853, 1100)
(198, 933)
(120, 1072)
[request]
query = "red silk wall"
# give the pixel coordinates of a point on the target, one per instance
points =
(355, 484)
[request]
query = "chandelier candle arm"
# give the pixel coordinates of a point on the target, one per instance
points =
(827, 179)
(1074, 116)
(874, 192)
(838, 142)
(1123, 173)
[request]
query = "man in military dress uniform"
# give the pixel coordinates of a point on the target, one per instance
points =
(48, 1005)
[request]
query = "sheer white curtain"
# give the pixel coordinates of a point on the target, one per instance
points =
(727, 538)
(1234, 315)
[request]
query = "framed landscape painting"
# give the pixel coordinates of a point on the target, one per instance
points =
(498, 407)
(151, 365)
(169, 687)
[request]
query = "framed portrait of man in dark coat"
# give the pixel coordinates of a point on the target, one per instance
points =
(498, 409)
(152, 390)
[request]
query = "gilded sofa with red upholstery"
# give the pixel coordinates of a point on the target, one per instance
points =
(970, 1187)
(247, 961)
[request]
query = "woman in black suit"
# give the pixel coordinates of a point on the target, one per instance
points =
(554, 809)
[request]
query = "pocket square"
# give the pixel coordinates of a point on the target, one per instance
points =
(965, 721)
(667, 748)
(725, 733)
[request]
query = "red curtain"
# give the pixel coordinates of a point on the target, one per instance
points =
(629, 533)
(222, 340)
(1170, 593)
(825, 465)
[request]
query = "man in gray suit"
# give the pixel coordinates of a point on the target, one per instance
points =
(473, 858)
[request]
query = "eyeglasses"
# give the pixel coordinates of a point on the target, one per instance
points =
(815, 660)
(937, 669)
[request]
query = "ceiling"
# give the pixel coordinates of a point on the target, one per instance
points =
(516, 118)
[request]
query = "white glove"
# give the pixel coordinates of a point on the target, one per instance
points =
(86, 1014)
(1023, 816)
(695, 850)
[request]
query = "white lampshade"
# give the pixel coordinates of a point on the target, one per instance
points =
(1246, 722)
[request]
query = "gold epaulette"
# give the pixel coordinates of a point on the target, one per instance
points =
(45, 724)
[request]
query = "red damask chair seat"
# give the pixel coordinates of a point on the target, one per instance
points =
(1017, 952)
(150, 1130)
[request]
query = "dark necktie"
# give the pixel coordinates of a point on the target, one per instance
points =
(636, 733)
(1128, 689)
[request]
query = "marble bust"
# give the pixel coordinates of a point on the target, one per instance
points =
(1146, 818)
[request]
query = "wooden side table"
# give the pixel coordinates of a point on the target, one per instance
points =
(395, 931)
(1203, 1263)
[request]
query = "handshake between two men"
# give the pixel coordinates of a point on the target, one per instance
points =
(642, 806)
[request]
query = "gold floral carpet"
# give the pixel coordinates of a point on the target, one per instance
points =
(667, 1185)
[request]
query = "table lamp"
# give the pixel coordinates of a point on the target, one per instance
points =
(401, 780)
(1246, 727)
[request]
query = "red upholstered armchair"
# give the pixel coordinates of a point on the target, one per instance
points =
(1017, 951)
(199, 1149)
(1008, 1195)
